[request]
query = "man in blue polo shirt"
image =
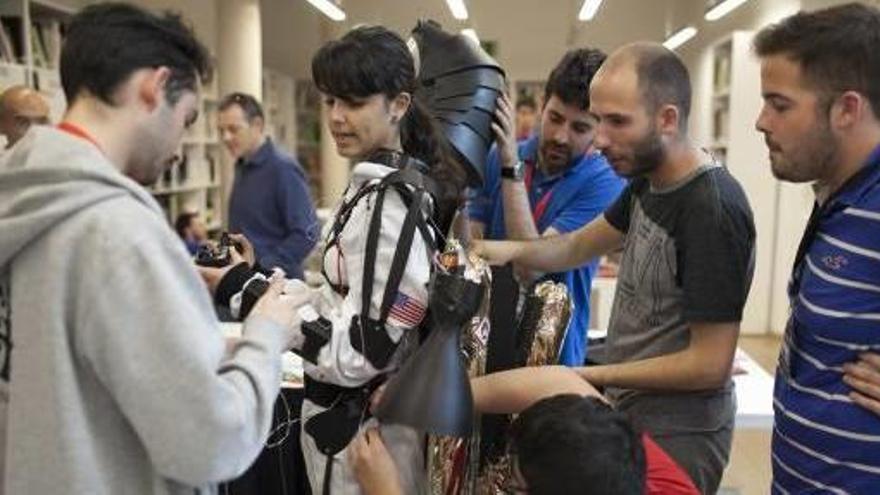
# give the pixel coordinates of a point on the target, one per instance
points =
(819, 74)
(270, 202)
(552, 183)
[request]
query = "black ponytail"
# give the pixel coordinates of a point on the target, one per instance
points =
(421, 138)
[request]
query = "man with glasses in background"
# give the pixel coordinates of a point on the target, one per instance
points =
(270, 203)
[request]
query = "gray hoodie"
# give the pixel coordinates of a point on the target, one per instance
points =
(118, 382)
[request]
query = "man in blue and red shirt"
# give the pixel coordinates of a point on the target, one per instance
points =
(552, 183)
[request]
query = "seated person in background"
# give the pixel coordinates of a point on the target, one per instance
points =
(567, 439)
(192, 230)
(526, 117)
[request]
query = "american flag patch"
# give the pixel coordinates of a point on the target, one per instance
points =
(406, 311)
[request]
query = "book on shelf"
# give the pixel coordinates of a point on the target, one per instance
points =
(721, 77)
(13, 31)
(38, 50)
(51, 36)
(7, 51)
(167, 179)
(211, 158)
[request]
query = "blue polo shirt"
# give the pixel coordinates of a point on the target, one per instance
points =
(271, 206)
(576, 196)
(822, 441)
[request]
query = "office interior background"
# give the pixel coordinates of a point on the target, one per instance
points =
(264, 47)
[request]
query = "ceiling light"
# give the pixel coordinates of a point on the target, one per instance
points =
(722, 8)
(329, 9)
(459, 11)
(588, 10)
(680, 37)
(470, 33)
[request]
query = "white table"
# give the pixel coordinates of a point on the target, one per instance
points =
(754, 393)
(291, 364)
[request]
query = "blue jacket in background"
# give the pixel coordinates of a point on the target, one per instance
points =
(270, 204)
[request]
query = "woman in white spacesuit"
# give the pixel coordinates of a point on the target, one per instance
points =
(404, 190)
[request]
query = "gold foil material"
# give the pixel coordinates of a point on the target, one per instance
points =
(552, 324)
(546, 315)
(453, 462)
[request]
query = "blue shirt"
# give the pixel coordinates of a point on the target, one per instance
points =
(270, 205)
(822, 441)
(577, 196)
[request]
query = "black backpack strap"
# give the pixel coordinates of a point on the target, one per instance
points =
(401, 254)
(370, 336)
(339, 222)
(370, 255)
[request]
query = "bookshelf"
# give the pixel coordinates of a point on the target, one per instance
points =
(722, 56)
(193, 183)
(278, 103)
(735, 103)
(31, 32)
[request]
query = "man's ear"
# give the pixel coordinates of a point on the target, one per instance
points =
(152, 86)
(667, 120)
(848, 110)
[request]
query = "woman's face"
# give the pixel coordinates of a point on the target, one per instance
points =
(363, 125)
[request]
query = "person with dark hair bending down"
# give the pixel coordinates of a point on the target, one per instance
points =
(374, 296)
(566, 439)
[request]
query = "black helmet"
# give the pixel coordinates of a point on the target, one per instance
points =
(459, 83)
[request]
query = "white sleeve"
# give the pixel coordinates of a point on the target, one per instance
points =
(339, 362)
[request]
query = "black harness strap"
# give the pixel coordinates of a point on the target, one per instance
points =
(370, 256)
(339, 223)
(401, 255)
(370, 336)
(334, 428)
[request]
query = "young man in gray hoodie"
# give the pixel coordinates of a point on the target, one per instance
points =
(118, 377)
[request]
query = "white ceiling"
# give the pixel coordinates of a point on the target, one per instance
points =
(531, 35)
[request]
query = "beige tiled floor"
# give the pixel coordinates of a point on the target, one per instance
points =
(749, 469)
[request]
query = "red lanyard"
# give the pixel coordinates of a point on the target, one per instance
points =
(541, 206)
(79, 132)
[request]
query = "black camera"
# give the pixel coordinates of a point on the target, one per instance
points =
(216, 256)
